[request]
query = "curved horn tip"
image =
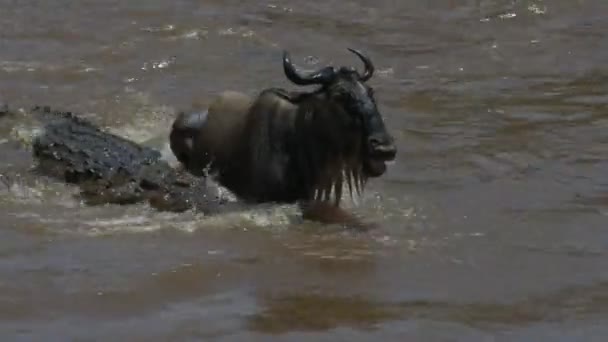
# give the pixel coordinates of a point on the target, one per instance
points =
(358, 52)
(286, 57)
(369, 66)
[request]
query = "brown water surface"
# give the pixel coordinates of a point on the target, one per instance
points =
(492, 224)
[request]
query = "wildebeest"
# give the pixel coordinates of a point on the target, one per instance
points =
(290, 146)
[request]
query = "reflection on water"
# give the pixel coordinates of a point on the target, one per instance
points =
(318, 312)
(302, 312)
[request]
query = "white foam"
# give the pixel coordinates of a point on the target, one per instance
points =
(147, 220)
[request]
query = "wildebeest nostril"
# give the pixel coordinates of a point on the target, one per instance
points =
(374, 142)
(383, 148)
(387, 151)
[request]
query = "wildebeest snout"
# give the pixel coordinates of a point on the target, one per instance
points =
(382, 146)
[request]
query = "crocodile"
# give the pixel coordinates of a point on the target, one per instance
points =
(110, 169)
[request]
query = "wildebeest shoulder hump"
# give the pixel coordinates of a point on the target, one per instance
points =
(292, 97)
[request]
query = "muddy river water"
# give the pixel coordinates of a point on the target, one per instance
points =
(492, 225)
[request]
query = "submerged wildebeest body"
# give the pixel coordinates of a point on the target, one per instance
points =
(290, 146)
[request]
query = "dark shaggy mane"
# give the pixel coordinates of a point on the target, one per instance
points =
(335, 177)
(326, 171)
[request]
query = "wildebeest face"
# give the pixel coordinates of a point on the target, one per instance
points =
(351, 100)
(357, 101)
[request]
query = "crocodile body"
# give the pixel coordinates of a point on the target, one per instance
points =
(111, 169)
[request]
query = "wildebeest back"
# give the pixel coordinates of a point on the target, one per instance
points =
(199, 138)
(224, 125)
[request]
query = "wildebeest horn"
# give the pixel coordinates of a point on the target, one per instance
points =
(369, 66)
(322, 76)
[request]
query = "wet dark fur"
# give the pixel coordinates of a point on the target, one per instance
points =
(303, 153)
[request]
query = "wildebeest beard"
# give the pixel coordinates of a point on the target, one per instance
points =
(328, 158)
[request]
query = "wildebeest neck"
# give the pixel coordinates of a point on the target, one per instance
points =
(329, 148)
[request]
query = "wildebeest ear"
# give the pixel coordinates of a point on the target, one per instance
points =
(322, 76)
(369, 66)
